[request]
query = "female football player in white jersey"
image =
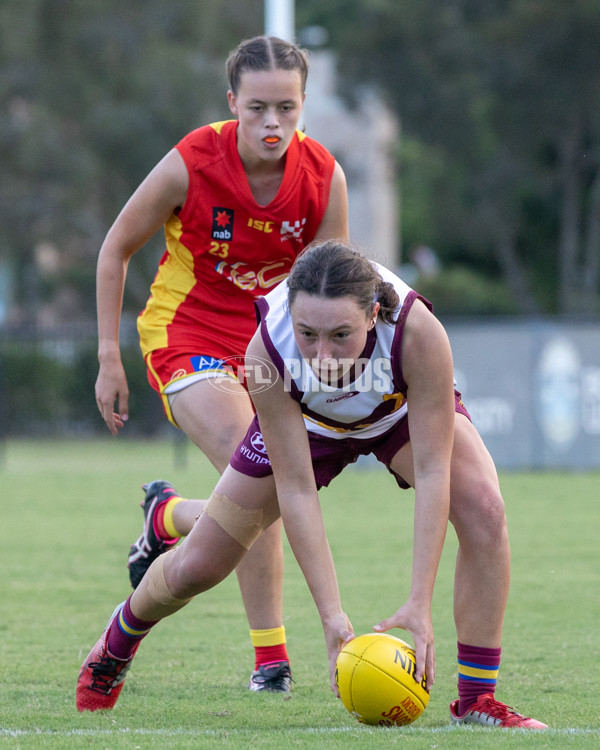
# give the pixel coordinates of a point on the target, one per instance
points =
(356, 363)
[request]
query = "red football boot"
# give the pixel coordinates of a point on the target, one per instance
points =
(489, 712)
(102, 676)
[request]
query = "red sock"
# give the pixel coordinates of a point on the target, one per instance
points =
(159, 525)
(269, 654)
(477, 673)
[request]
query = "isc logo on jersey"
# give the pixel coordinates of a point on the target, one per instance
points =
(287, 230)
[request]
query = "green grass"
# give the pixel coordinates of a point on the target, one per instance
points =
(69, 514)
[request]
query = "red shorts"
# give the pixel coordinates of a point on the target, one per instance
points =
(171, 370)
(329, 455)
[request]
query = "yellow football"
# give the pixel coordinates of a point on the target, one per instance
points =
(375, 678)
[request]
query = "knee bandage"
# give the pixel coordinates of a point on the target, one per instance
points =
(242, 524)
(157, 588)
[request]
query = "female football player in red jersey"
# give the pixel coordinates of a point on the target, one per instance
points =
(359, 365)
(238, 200)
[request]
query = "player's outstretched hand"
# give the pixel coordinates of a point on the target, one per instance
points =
(338, 632)
(111, 389)
(418, 622)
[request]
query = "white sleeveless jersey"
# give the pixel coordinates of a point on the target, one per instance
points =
(371, 398)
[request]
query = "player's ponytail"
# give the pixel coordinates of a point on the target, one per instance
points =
(388, 300)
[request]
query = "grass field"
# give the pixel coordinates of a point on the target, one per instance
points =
(69, 514)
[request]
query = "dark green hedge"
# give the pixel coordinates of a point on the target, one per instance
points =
(46, 391)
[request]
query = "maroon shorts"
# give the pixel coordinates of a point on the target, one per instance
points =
(329, 455)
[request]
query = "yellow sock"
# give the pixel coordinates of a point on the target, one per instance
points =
(268, 637)
(168, 516)
(269, 646)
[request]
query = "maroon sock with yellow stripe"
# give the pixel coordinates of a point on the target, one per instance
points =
(477, 673)
(126, 631)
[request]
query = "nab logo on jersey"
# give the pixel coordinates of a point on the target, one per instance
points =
(222, 223)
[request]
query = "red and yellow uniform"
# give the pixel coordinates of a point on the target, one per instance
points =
(224, 249)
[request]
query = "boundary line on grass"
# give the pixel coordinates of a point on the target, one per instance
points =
(5, 732)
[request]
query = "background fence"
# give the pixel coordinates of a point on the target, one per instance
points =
(532, 387)
(47, 381)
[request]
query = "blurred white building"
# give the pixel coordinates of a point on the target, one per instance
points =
(365, 142)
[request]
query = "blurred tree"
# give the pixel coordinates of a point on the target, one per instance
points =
(552, 82)
(498, 100)
(92, 95)
(500, 159)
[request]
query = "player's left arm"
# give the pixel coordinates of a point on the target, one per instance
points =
(334, 224)
(428, 371)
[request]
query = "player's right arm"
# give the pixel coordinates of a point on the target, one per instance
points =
(334, 224)
(286, 441)
(150, 206)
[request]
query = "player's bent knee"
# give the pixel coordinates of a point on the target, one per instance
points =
(479, 515)
(157, 588)
(493, 508)
(244, 525)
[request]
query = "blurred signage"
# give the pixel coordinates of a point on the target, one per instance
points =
(533, 390)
